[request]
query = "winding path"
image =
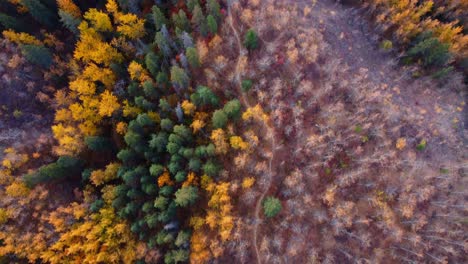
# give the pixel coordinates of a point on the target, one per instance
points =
(268, 127)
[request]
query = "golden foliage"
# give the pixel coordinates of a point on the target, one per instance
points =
(121, 128)
(17, 189)
(199, 252)
(197, 125)
(101, 238)
(109, 104)
(137, 72)
(191, 180)
(21, 38)
(400, 143)
(255, 113)
(69, 7)
(248, 182)
(165, 179)
(218, 138)
(237, 143)
(188, 107)
(99, 177)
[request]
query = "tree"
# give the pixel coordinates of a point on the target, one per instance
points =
(271, 206)
(69, 21)
(430, 50)
(199, 20)
(251, 39)
(232, 109)
(192, 56)
(158, 17)
(204, 96)
(219, 119)
(246, 85)
(186, 196)
(214, 8)
(40, 12)
(9, 22)
(179, 78)
(96, 143)
(181, 21)
(38, 55)
(152, 63)
(212, 24)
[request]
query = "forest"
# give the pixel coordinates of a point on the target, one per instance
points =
(233, 131)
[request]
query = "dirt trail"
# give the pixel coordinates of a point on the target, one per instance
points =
(268, 127)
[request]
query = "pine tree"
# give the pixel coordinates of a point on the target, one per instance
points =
(9, 22)
(251, 39)
(219, 119)
(186, 196)
(212, 24)
(158, 17)
(37, 54)
(192, 56)
(40, 12)
(69, 21)
(271, 206)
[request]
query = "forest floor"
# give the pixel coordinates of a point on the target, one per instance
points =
(24, 120)
(376, 91)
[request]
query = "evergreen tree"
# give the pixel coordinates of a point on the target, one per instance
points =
(212, 24)
(9, 22)
(158, 17)
(219, 119)
(214, 9)
(204, 96)
(192, 56)
(40, 12)
(251, 40)
(271, 206)
(199, 21)
(70, 22)
(152, 63)
(38, 55)
(186, 196)
(232, 109)
(179, 78)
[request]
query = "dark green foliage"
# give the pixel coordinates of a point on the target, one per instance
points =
(70, 22)
(186, 196)
(180, 176)
(141, 102)
(149, 90)
(430, 51)
(246, 85)
(97, 143)
(167, 124)
(96, 205)
(162, 79)
(158, 17)
(179, 77)
(156, 170)
(211, 168)
(181, 21)
(251, 39)
(271, 206)
(183, 239)
(164, 105)
(65, 167)
(161, 203)
(204, 96)
(164, 237)
(219, 119)
(152, 63)
(232, 109)
(199, 20)
(192, 57)
(166, 190)
(212, 25)
(160, 140)
(9, 22)
(152, 220)
(41, 13)
(126, 155)
(194, 165)
(145, 120)
(39, 55)
(176, 256)
(214, 8)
